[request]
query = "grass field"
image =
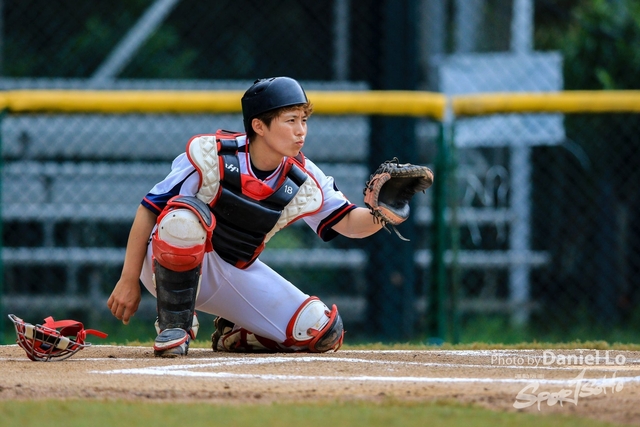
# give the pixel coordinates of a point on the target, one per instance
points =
(73, 413)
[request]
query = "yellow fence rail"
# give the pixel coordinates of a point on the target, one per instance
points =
(398, 103)
(548, 102)
(393, 103)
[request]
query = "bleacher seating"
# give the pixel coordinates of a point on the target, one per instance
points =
(63, 171)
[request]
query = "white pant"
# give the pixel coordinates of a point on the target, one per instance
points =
(256, 298)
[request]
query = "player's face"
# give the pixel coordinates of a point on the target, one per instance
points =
(287, 132)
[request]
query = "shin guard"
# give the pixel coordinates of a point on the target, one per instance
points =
(176, 299)
(179, 244)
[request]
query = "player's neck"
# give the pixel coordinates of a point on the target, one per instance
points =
(262, 157)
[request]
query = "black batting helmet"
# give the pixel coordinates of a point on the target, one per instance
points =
(268, 94)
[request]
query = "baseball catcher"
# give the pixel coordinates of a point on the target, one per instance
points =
(197, 237)
(390, 188)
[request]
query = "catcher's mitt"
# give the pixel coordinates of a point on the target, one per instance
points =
(52, 340)
(390, 188)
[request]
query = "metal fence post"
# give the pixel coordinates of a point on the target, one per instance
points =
(442, 311)
(2, 313)
(435, 310)
(391, 276)
(451, 202)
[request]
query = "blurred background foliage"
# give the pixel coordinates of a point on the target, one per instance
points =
(597, 39)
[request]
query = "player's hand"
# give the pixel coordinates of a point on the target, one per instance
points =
(124, 300)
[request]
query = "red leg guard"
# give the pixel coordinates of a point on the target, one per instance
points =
(176, 258)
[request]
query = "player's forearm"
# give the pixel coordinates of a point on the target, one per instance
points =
(357, 224)
(137, 244)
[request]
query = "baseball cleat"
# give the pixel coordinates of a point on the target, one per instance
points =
(223, 327)
(173, 342)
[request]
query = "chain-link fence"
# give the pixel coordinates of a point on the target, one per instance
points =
(585, 216)
(545, 236)
(539, 238)
(72, 183)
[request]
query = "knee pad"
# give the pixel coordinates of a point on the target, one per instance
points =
(315, 326)
(181, 227)
(183, 234)
(179, 241)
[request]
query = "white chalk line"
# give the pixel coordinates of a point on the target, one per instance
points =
(605, 382)
(216, 362)
(185, 370)
(506, 353)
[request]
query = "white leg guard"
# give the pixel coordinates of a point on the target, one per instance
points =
(179, 243)
(180, 240)
(316, 327)
(313, 328)
(181, 227)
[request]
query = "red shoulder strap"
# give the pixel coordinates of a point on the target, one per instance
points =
(55, 324)
(71, 328)
(221, 133)
(96, 333)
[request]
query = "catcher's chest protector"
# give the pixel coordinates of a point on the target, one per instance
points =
(245, 218)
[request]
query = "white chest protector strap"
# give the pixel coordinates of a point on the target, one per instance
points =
(202, 152)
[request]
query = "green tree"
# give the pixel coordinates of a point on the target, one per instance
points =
(70, 38)
(599, 41)
(601, 46)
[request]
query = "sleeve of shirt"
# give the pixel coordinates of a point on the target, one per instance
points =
(335, 205)
(183, 179)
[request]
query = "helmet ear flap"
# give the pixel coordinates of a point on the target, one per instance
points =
(44, 342)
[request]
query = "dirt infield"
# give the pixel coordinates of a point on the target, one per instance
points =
(601, 384)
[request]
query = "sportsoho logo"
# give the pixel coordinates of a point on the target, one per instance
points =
(578, 387)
